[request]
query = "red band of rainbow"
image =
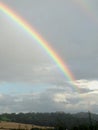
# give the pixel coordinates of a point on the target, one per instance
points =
(23, 24)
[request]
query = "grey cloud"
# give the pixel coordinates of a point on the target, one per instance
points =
(70, 32)
(48, 101)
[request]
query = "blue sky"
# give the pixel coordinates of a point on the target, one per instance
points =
(29, 78)
(22, 88)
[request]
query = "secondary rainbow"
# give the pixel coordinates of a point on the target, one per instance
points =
(87, 9)
(23, 24)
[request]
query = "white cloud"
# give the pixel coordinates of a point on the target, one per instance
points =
(60, 97)
(89, 84)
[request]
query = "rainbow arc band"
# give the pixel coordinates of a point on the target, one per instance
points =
(38, 38)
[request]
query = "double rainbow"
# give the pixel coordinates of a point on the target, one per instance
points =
(31, 31)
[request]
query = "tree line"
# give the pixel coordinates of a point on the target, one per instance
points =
(58, 120)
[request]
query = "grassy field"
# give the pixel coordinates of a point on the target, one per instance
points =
(12, 125)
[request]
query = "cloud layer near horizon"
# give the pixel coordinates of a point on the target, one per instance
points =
(52, 99)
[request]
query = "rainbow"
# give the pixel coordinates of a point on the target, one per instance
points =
(31, 31)
(87, 9)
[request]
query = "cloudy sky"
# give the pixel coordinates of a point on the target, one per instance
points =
(30, 81)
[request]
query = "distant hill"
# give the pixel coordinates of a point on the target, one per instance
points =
(86, 115)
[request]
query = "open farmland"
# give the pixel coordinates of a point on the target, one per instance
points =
(12, 125)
